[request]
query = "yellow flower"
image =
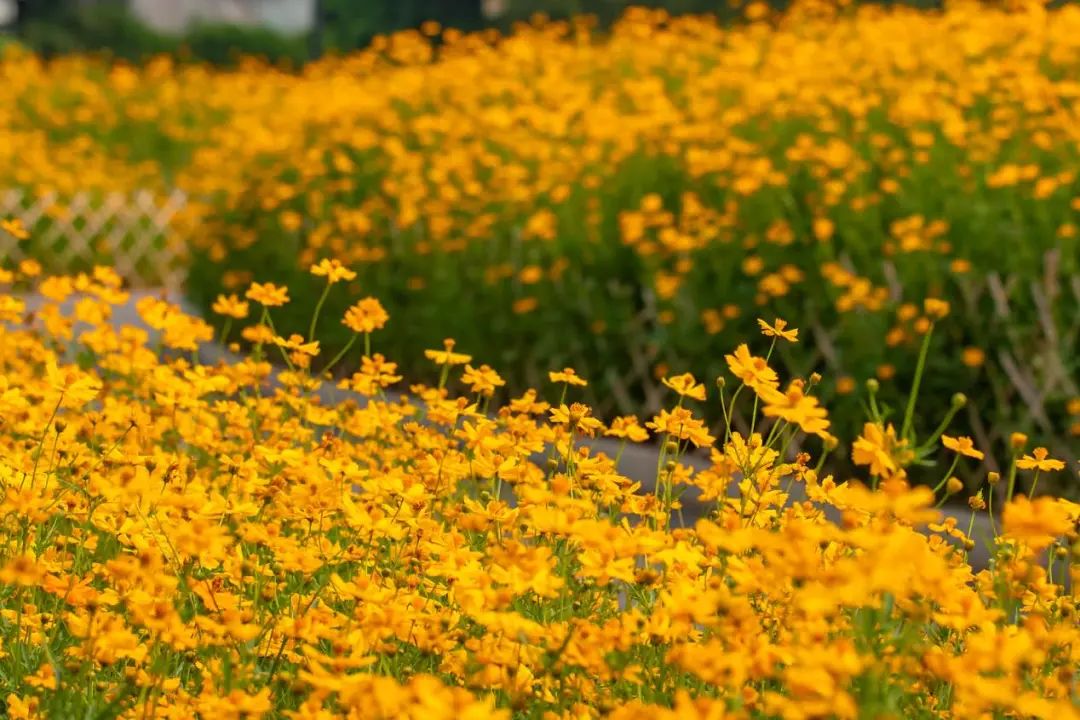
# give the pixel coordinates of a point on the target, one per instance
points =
(1036, 522)
(296, 344)
(627, 428)
(15, 228)
(231, 306)
(686, 386)
(796, 407)
(936, 308)
(482, 380)
(76, 386)
(963, 445)
(577, 416)
(777, 330)
(367, 315)
(267, 294)
(447, 356)
(568, 376)
(332, 270)
(752, 370)
(1038, 460)
(879, 448)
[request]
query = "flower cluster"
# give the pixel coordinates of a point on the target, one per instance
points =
(628, 202)
(238, 540)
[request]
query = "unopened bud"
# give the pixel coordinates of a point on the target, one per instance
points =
(959, 400)
(1018, 440)
(872, 385)
(669, 466)
(954, 485)
(993, 477)
(815, 378)
(671, 447)
(720, 382)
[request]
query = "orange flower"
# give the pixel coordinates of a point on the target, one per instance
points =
(577, 416)
(568, 376)
(686, 386)
(1038, 460)
(796, 407)
(267, 294)
(367, 315)
(333, 271)
(962, 445)
(231, 306)
(482, 380)
(627, 428)
(752, 370)
(446, 356)
(777, 330)
(15, 228)
(1036, 522)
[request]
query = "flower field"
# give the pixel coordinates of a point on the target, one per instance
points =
(824, 265)
(189, 540)
(628, 202)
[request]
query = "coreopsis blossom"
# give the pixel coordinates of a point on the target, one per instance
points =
(15, 228)
(332, 270)
(75, 387)
(578, 416)
(230, 306)
(627, 428)
(367, 315)
(879, 448)
(568, 376)
(267, 294)
(680, 423)
(686, 386)
(1038, 522)
(483, 380)
(798, 408)
(752, 370)
(1039, 460)
(962, 445)
(296, 343)
(777, 330)
(447, 356)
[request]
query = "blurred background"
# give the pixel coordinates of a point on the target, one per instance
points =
(291, 31)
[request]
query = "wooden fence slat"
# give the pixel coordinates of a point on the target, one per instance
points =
(132, 231)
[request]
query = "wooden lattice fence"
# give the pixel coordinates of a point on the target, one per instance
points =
(131, 232)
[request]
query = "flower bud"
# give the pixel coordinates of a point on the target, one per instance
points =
(1018, 440)
(669, 466)
(872, 385)
(671, 447)
(993, 478)
(959, 400)
(815, 378)
(720, 382)
(954, 485)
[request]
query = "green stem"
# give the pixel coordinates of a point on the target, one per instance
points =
(909, 411)
(1034, 482)
(337, 358)
(318, 309)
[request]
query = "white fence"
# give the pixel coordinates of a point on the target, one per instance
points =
(131, 232)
